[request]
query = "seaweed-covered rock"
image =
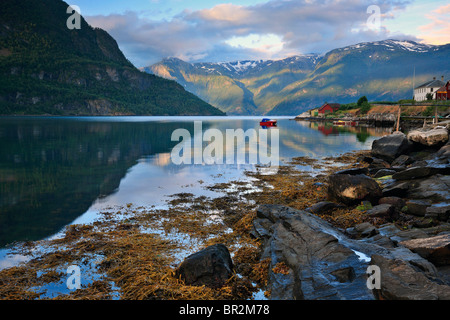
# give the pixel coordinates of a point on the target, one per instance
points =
(352, 189)
(211, 267)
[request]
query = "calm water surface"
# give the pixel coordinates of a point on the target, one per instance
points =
(57, 171)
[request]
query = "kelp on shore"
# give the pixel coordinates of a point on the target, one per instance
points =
(132, 252)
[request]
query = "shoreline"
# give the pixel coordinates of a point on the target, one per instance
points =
(136, 257)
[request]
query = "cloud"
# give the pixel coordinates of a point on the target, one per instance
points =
(283, 28)
(438, 30)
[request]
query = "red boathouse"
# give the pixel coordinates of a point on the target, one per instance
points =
(329, 108)
(443, 93)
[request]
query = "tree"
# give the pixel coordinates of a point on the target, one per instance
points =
(365, 107)
(429, 96)
(362, 100)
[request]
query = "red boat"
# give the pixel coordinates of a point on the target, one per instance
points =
(268, 123)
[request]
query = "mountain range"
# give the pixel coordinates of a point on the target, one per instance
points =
(48, 68)
(382, 71)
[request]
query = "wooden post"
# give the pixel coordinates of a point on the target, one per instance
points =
(435, 115)
(398, 117)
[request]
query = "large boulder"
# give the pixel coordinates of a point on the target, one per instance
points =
(429, 138)
(391, 147)
(352, 189)
(316, 264)
(211, 267)
(310, 259)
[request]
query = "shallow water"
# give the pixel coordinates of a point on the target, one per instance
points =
(56, 171)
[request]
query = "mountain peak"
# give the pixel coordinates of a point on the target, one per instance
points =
(393, 45)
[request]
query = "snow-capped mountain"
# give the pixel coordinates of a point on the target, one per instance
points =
(246, 67)
(394, 45)
(381, 70)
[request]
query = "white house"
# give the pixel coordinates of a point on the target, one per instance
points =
(420, 93)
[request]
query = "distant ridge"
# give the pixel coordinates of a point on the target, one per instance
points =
(380, 70)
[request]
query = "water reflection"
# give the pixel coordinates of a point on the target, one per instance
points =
(54, 171)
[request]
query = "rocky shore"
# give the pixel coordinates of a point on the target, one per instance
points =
(403, 187)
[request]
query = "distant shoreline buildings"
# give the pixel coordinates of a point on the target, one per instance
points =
(433, 90)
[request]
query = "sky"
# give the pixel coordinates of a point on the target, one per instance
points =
(148, 31)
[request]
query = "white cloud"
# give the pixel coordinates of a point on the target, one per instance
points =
(231, 32)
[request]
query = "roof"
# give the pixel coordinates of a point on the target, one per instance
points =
(443, 88)
(432, 84)
(332, 105)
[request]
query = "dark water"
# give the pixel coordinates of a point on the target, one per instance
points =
(57, 171)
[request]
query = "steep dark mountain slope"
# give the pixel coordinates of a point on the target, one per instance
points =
(46, 68)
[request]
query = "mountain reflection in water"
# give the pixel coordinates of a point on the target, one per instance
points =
(55, 169)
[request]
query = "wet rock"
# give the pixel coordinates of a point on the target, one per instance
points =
(419, 163)
(439, 211)
(430, 137)
(314, 257)
(379, 164)
(415, 172)
(423, 223)
(384, 210)
(322, 263)
(435, 249)
(211, 267)
(391, 147)
(400, 280)
(398, 189)
(444, 152)
(397, 235)
(363, 230)
(352, 189)
(384, 173)
(418, 207)
(354, 171)
(261, 228)
(344, 275)
(323, 207)
(397, 202)
(435, 188)
(402, 161)
(364, 159)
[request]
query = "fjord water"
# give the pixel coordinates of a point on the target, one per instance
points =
(55, 171)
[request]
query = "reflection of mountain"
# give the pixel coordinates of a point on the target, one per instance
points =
(52, 170)
(303, 138)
